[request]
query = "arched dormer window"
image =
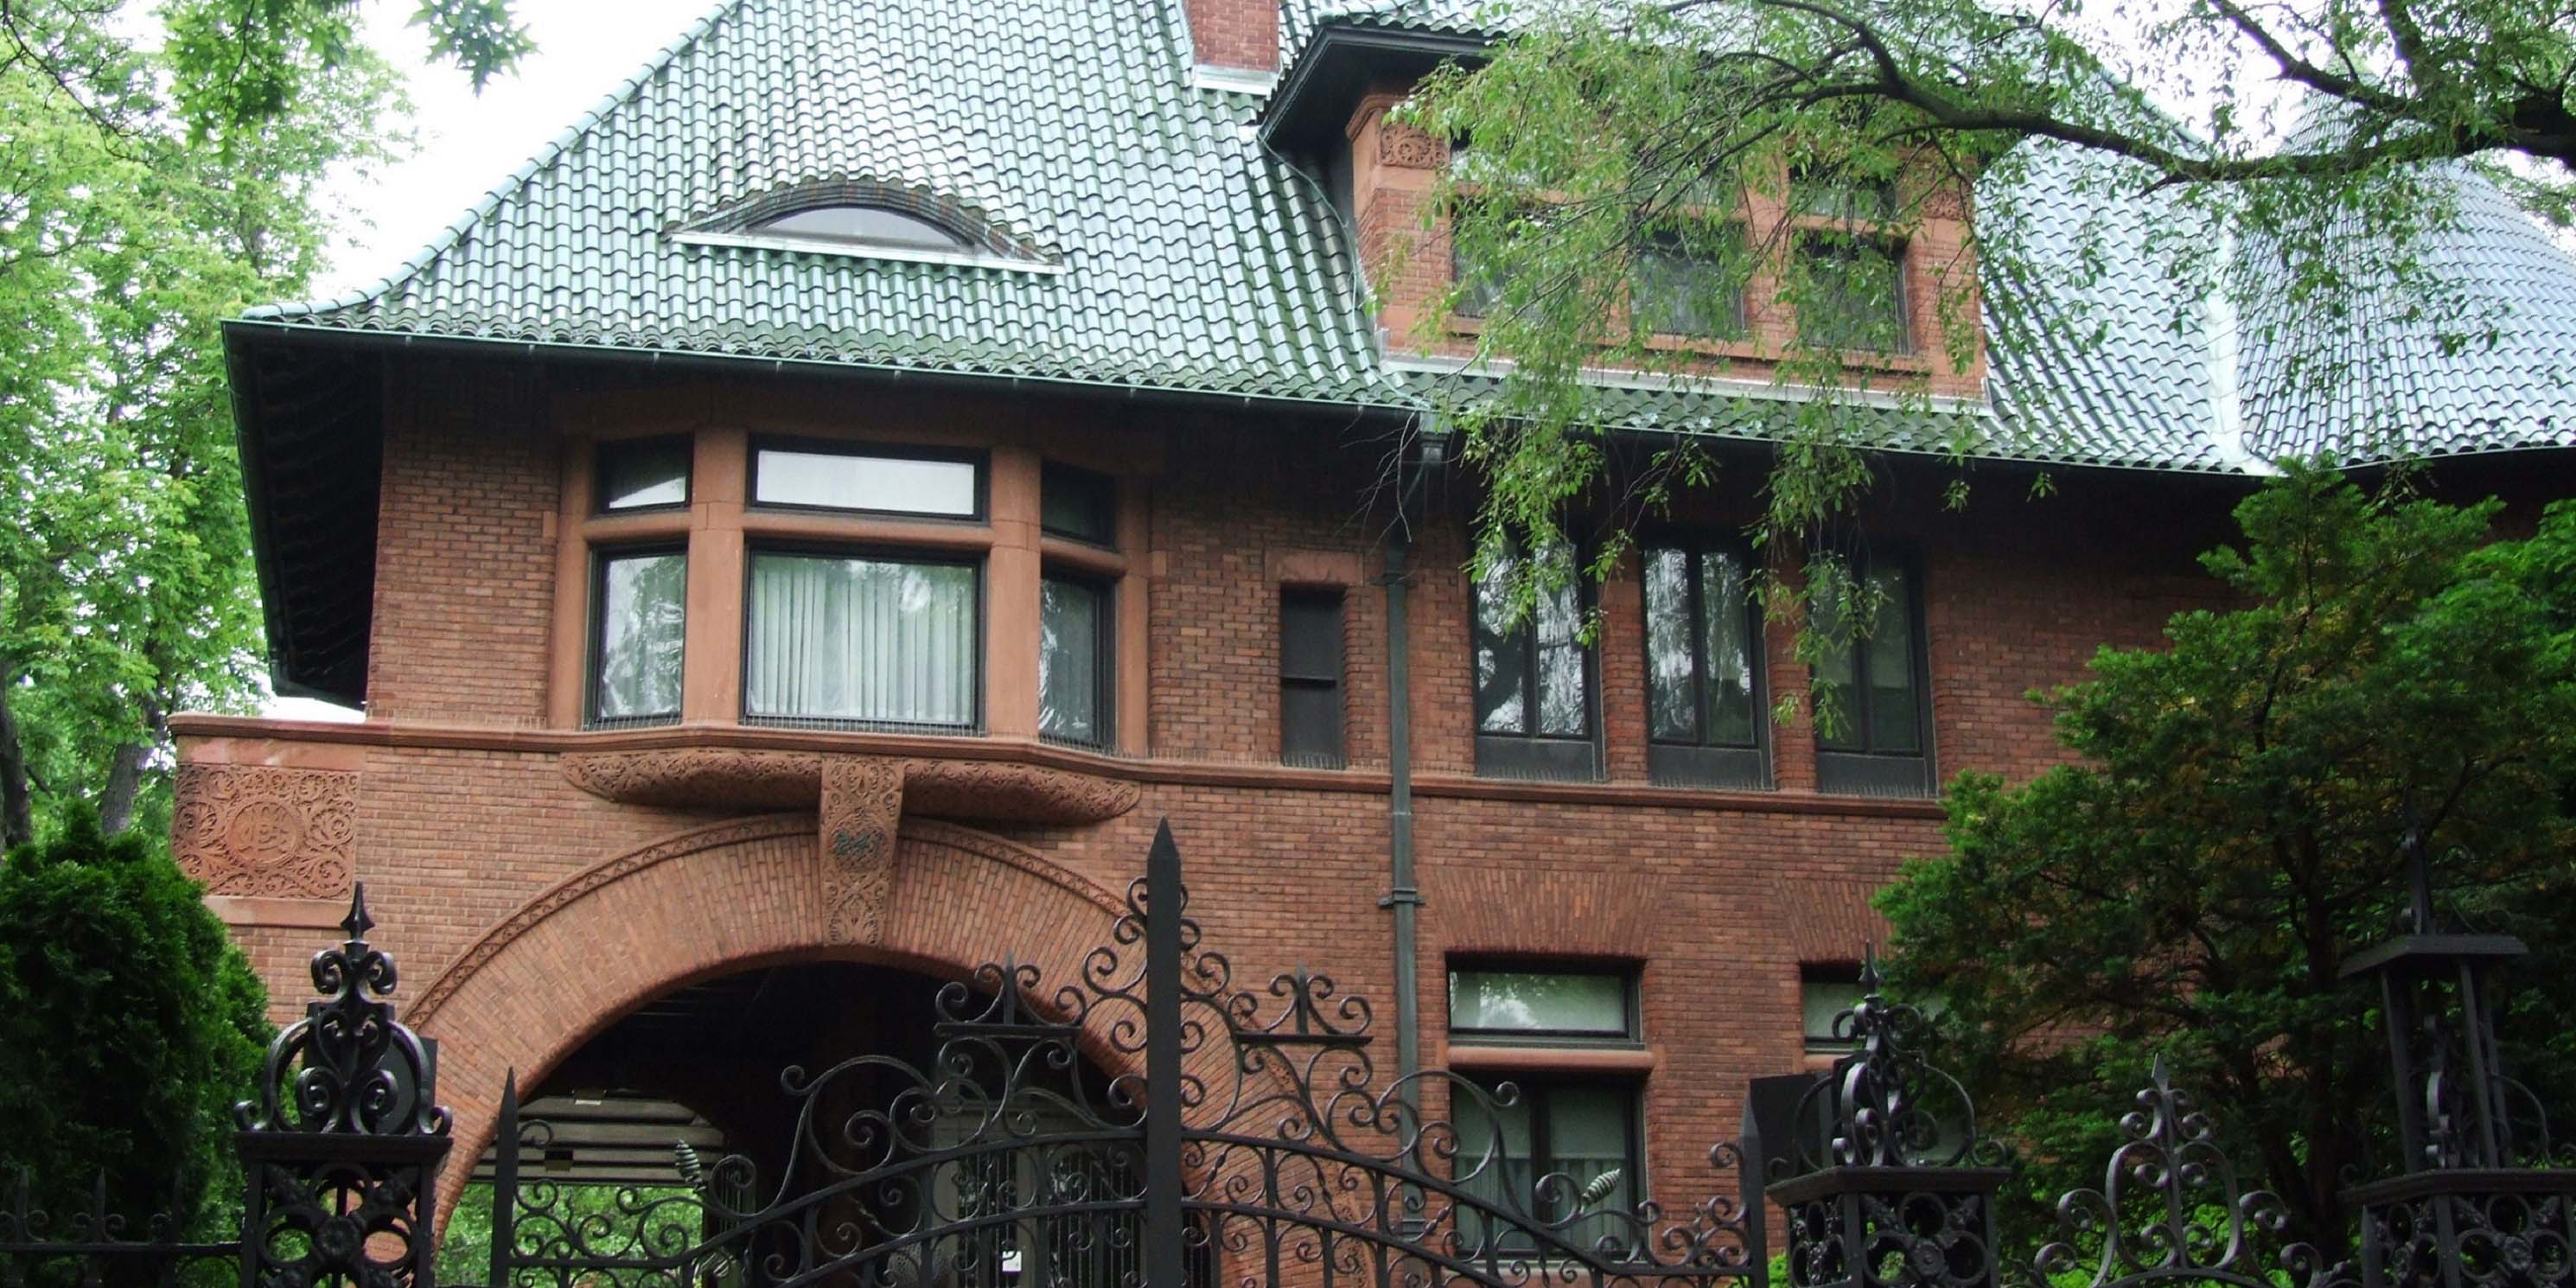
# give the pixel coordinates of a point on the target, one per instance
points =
(868, 220)
(862, 226)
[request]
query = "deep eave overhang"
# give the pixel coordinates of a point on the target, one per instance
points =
(1315, 98)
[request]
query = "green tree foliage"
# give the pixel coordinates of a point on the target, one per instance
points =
(2194, 885)
(125, 585)
(129, 1027)
(2298, 155)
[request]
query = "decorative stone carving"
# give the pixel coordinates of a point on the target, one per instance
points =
(1001, 791)
(1408, 148)
(734, 779)
(266, 830)
(1944, 202)
(737, 832)
(862, 807)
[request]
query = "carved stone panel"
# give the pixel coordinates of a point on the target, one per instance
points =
(267, 830)
(862, 807)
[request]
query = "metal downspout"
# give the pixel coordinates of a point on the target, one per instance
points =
(1403, 896)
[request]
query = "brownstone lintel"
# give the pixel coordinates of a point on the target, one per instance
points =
(737, 778)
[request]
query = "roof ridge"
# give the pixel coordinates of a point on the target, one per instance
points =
(517, 180)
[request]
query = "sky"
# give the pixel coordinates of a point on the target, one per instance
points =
(467, 142)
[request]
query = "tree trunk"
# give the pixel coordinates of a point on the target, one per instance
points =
(17, 798)
(124, 783)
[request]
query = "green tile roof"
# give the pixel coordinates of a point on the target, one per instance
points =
(1196, 262)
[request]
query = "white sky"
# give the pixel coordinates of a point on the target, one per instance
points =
(469, 143)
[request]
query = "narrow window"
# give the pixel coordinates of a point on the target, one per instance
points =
(1679, 287)
(1874, 740)
(1074, 676)
(1703, 667)
(1581, 1129)
(1310, 678)
(643, 473)
(639, 618)
(816, 476)
(1478, 289)
(1533, 675)
(1078, 504)
(863, 642)
(1852, 293)
(1824, 993)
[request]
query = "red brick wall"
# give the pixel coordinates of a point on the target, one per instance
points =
(1235, 33)
(465, 548)
(1716, 898)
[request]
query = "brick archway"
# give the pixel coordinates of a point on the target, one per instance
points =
(710, 900)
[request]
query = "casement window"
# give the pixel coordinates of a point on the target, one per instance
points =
(642, 473)
(1850, 293)
(1533, 675)
(1877, 739)
(862, 641)
(1678, 287)
(1705, 713)
(1310, 678)
(1824, 993)
(1076, 675)
(1582, 1127)
(639, 618)
(1078, 504)
(825, 476)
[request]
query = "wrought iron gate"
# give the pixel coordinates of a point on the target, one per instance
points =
(1243, 1134)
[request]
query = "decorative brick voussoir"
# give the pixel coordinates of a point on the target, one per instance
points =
(266, 830)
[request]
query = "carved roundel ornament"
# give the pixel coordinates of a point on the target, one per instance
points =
(263, 830)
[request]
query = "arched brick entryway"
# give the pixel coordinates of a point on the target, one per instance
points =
(720, 898)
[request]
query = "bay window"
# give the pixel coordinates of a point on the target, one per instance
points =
(1875, 741)
(1533, 674)
(1704, 707)
(639, 618)
(862, 641)
(1075, 679)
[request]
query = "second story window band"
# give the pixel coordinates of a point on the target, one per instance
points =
(1075, 674)
(1703, 667)
(862, 642)
(1533, 675)
(1877, 742)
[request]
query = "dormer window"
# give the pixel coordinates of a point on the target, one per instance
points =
(867, 219)
(863, 226)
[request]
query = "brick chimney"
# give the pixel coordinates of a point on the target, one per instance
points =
(1237, 35)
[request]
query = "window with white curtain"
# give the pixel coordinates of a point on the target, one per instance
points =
(866, 641)
(1073, 661)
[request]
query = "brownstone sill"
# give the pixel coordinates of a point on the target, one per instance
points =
(252, 739)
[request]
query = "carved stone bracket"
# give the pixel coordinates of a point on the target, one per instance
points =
(736, 779)
(265, 830)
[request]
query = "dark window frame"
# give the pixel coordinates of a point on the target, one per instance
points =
(599, 453)
(1632, 1036)
(1897, 250)
(1530, 754)
(1536, 1088)
(1842, 974)
(1337, 683)
(1736, 329)
(1862, 769)
(1701, 761)
(981, 461)
(595, 646)
(1104, 671)
(974, 561)
(1051, 473)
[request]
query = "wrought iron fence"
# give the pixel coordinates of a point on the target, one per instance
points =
(1243, 1134)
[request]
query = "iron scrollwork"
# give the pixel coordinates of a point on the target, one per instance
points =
(2170, 1208)
(1004, 1158)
